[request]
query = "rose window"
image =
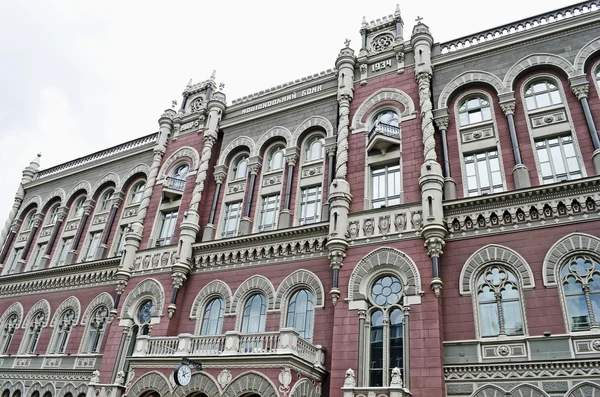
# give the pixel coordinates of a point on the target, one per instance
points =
(386, 291)
(383, 42)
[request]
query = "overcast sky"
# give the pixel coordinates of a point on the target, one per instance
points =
(80, 76)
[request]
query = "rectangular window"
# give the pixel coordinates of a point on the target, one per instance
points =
(167, 228)
(63, 250)
(483, 173)
(233, 213)
(269, 213)
(120, 241)
(310, 205)
(14, 262)
(385, 183)
(37, 257)
(90, 253)
(558, 160)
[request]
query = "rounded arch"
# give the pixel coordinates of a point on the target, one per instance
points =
(275, 132)
(474, 76)
(584, 54)
(251, 382)
(493, 253)
(303, 388)
(253, 284)
(110, 177)
(37, 386)
(527, 390)
(15, 308)
(104, 299)
(489, 391)
(224, 158)
(133, 174)
(584, 389)
(34, 202)
(384, 258)
(214, 289)
(309, 123)
(58, 193)
(42, 305)
(152, 380)
(567, 246)
(70, 388)
(76, 190)
(148, 288)
(185, 151)
(298, 280)
(533, 61)
(200, 381)
(69, 303)
(384, 94)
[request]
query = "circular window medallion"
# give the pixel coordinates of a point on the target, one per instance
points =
(382, 42)
(386, 291)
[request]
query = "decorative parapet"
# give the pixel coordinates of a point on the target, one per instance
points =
(154, 260)
(384, 224)
(519, 26)
(147, 140)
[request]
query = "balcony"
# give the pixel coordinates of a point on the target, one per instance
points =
(234, 346)
(175, 184)
(382, 136)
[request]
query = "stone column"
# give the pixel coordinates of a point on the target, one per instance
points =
(28, 174)
(62, 213)
(285, 216)
(37, 221)
(88, 206)
(103, 247)
(581, 92)
(245, 226)
(520, 172)
(220, 175)
(362, 327)
(191, 222)
(442, 120)
(330, 149)
(9, 240)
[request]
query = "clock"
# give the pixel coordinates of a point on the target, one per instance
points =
(182, 375)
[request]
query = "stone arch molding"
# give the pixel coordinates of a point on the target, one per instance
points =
(15, 308)
(278, 131)
(564, 248)
(18, 385)
(259, 284)
(70, 388)
(522, 390)
(214, 289)
(384, 94)
(83, 185)
(138, 169)
(300, 279)
(313, 121)
(110, 177)
(153, 380)
(199, 381)
(42, 305)
(584, 54)
(241, 141)
(37, 200)
(304, 388)
(474, 76)
(104, 299)
(48, 387)
(251, 382)
(148, 288)
(584, 389)
(185, 151)
(537, 60)
(491, 254)
(383, 259)
(69, 303)
(60, 193)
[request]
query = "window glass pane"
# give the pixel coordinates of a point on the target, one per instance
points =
(301, 313)
(555, 97)
(464, 119)
(486, 113)
(546, 169)
(513, 324)
(484, 180)
(376, 350)
(470, 168)
(213, 318)
(540, 87)
(543, 100)
(595, 298)
(569, 150)
(557, 160)
(578, 313)
(530, 102)
(489, 319)
(396, 337)
(473, 103)
(543, 154)
(255, 310)
(475, 117)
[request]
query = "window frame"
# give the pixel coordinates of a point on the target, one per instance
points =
(137, 190)
(77, 208)
(38, 255)
(38, 320)
(564, 295)
(271, 207)
(271, 152)
(308, 332)
(235, 162)
(62, 332)
(14, 261)
(8, 332)
(464, 102)
(172, 215)
(548, 81)
(565, 160)
(307, 148)
(92, 246)
(29, 220)
(262, 316)
(596, 76)
(478, 170)
(52, 215)
(374, 168)
(63, 251)
(204, 331)
(106, 200)
(319, 203)
(88, 344)
(226, 218)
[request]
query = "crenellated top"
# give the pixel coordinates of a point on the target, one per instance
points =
(381, 23)
(520, 26)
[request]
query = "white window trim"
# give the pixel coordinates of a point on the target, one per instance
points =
(276, 188)
(299, 205)
(219, 230)
(596, 66)
(308, 182)
(558, 82)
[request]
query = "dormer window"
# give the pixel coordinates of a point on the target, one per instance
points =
(474, 110)
(240, 168)
(315, 149)
(276, 158)
(106, 200)
(541, 94)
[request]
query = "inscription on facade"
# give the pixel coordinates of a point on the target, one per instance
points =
(381, 65)
(283, 99)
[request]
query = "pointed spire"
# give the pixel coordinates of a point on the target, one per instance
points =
(364, 22)
(189, 84)
(35, 163)
(397, 12)
(213, 75)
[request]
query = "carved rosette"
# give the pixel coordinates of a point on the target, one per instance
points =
(508, 107)
(581, 91)
(423, 81)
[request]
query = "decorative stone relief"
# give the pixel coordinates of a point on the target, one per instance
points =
(368, 226)
(396, 380)
(308, 172)
(587, 346)
(236, 187)
(95, 377)
(353, 228)
(224, 378)
(470, 136)
(85, 362)
(382, 42)
(349, 379)
(269, 180)
(548, 119)
(512, 350)
(417, 219)
(285, 378)
(120, 380)
(22, 362)
(384, 224)
(52, 362)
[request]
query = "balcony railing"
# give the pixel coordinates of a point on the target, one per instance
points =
(384, 129)
(175, 184)
(286, 341)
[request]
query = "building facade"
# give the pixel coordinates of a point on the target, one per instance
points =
(422, 220)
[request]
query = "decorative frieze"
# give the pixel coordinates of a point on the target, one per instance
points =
(52, 362)
(504, 350)
(475, 135)
(310, 171)
(22, 363)
(85, 362)
(46, 230)
(380, 226)
(72, 225)
(587, 346)
(272, 179)
(158, 259)
(236, 187)
(100, 219)
(542, 120)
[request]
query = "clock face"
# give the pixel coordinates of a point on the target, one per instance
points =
(183, 375)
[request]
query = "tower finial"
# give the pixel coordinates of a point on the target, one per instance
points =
(347, 43)
(213, 75)
(189, 84)
(35, 163)
(418, 20)
(364, 22)
(397, 12)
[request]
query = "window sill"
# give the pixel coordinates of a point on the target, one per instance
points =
(545, 109)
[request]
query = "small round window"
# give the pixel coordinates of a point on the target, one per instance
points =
(386, 291)
(145, 312)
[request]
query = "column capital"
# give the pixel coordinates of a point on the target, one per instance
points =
(581, 90)
(254, 164)
(291, 159)
(508, 107)
(442, 122)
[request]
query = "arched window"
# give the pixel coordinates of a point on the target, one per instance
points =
(78, 208)
(315, 149)
(386, 330)
(542, 93)
(52, 215)
(597, 77)
(63, 331)
(29, 220)
(144, 314)
(254, 314)
(8, 330)
(95, 332)
(212, 321)
(474, 110)
(33, 331)
(47, 394)
(499, 302)
(387, 118)
(580, 278)
(181, 171)
(240, 167)
(6, 393)
(301, 313)
(106, 200)
(275, 158)
(137, 192)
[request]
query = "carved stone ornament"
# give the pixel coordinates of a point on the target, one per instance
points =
(442, 122)
(503, 350)
(196, 105)
(349, 380)
(336, 257)
(95, 377)
(581, 91)
(396, 380)
(382, 42)
(417, 220)
(596, 344)
(363, 68)
(384, 224)
(285, 378)
(334, 294)
(400, 222)
(434, 246)
(353, 230)
(508, 107)
(130, 378)
(224, 378)
(171, 309)
(368, 227)
(120, 378)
